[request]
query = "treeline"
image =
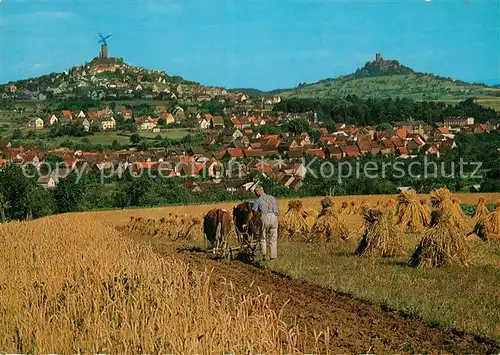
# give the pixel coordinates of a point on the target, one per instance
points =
(355, 110)
(21, 198)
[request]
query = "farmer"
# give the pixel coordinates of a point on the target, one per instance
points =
(268, 207)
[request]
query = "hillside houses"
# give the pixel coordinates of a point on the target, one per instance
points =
(114, 79)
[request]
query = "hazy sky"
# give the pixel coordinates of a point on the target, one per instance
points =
(263, 44)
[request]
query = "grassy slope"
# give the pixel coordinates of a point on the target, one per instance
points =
(413, 86)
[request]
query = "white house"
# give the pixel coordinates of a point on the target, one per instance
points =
(203, 124)
(107, 123)
(86, 124)
(52, 119)
(36, 123)
(47, 182)
(147, 124)
(80, 114)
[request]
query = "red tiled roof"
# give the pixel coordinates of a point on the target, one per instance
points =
(382, 134)
(235, 152)
(419, 141)
(397, 141)
(319, 153)
(387, 143)
(255, 153)
(403, 150)
(328, 139)
(402, 133)
(350, 150)
(236, 122)
(364, 144)
(273, 141)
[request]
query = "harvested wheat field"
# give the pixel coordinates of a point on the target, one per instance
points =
(90, 282)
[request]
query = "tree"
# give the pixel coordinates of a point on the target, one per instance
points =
(135, 139)
(69, 193)
(39, 202)
(15, 187)
(316, 135)
(31, 135)
(134, 191)
(4, 205)
(17, 134)
(54, 160)
(384, 126)
(162, 122)
(297, 126)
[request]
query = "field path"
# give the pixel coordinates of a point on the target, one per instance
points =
(354, 326)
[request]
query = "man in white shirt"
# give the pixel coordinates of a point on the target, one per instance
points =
(267, 205)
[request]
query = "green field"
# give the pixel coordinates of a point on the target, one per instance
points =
(7, 127)
(107, 138)
(104, 138)
(173, 134)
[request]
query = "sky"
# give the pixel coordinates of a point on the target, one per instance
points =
(261, 44)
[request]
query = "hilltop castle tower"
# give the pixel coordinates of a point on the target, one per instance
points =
(378, 57)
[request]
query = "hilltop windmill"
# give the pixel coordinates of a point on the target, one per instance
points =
(104, 45)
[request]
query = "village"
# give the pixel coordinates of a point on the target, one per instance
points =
(143, 105)
(235, 138)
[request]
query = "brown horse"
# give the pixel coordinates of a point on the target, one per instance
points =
(246, 222)
(217, 227)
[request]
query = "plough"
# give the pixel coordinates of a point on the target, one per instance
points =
(247, 245)
(228, 252)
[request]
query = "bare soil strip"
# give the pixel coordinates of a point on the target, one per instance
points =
(354, 326)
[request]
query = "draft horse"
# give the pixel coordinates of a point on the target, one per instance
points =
(217, 227)
(247, 224)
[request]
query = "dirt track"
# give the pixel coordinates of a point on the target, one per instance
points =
(355, 326)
